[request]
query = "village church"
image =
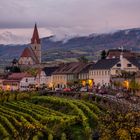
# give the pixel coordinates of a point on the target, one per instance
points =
(32, 55)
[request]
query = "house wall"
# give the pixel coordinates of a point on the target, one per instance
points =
(11, 86)
(37, 50)
(100, 77)
(83, 76)
(25, 82)
(60, 80)
(124, 66)
(41, 78)
(49, 81)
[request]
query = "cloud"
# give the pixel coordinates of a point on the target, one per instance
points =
(70, 16)
(20, 36)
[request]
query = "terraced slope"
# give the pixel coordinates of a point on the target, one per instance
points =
(47, 117)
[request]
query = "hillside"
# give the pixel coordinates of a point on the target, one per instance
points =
(89, 46)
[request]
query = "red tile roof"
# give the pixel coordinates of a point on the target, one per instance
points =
(35, 37)
(18, 76)
(5, 82)
(26, 53)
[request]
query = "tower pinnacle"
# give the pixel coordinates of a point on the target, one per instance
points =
(35, 37)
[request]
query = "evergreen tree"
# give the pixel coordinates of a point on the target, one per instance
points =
(103, 54)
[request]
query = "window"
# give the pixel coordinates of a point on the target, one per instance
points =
(118, 65)
(117, 71)
(26, 80)
(129, 65)
(108, 72)
(102, 72)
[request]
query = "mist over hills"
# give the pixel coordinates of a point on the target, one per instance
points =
(70, 48)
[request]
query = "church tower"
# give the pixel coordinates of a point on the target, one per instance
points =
(35, 44)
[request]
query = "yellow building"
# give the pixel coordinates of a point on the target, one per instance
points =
(70, 73)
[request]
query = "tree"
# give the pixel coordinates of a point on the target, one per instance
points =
(103, 54)
(32, 71)
(83, 59)
(13, 69)
(134, 86)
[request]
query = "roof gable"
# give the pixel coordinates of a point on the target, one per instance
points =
(105, 63)
(28, 52)
(135, 61)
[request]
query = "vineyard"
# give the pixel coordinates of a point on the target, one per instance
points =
(48, 117)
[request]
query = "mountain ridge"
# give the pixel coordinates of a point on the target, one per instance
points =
(74, 47)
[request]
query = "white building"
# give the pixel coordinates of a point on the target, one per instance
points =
(104, 69)
(44, 76)
(18, 81)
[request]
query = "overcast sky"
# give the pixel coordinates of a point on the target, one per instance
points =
(70, 17)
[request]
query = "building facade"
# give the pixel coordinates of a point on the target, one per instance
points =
(18, 81)
(70, 74)
(44, 77)
(103, 71)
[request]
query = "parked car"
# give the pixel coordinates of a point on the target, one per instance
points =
(58, 89)
(83, 89)
(66, 89)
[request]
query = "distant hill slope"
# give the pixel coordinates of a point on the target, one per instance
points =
(89, 46)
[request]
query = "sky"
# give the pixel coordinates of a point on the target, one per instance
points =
(65, 17)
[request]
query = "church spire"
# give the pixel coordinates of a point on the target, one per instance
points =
(35, 37)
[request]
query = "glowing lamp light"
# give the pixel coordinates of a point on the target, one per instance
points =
(8, 87)
(50, 85)
(84, 83)
(90, 82)
(126, 84)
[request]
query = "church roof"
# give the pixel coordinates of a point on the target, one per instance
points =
(28, 52)
(35, 38)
